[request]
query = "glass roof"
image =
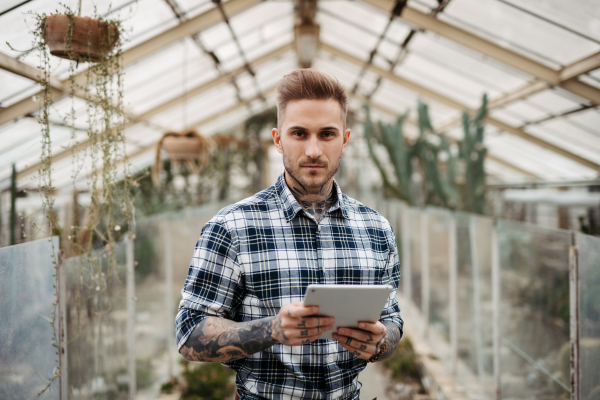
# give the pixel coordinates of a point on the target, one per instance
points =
(174, 86)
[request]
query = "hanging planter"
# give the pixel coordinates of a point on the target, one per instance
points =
(186, 146)
(79, 38)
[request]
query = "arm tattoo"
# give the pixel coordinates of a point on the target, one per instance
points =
(392, 338)
(221, 340)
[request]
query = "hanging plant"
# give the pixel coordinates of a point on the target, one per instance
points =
(78, 38)
(188, 146)
(102, 157)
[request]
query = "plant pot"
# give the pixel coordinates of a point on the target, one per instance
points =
(91, 39)
(180, 148)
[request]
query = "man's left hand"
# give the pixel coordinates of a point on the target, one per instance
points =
(365, 342)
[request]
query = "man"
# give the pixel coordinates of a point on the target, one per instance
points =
(242, 300)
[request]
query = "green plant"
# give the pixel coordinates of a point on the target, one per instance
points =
(446, 184)
(472, 152)
(403, 363)
(206, 381)
(400, 154)
(169, 386)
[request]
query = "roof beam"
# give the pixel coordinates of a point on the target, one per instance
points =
(431, 23)
(582, 66)
(455, 104)
(165, 106)
(184, 29)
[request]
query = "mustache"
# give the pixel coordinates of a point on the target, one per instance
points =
(313, 164)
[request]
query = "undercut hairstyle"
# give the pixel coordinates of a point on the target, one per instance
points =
(309, 84)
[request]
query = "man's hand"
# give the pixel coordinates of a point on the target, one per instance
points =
(365, 342)
(296, 324)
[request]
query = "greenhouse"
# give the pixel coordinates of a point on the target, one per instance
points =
(136, 134)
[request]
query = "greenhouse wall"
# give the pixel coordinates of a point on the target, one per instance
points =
(509, 307)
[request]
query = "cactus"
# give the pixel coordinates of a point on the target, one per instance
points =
(390, 135)
(443, 184)
(472, 151)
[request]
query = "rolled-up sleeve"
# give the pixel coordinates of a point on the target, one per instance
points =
(391, 276)
(213, 285)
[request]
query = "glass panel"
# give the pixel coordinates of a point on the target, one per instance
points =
(97, 325)
(414, 220)
(534, 311)
(588, 250)
(474, 298)
(152, 322)
(519, 31)
(26, 305)
(439, 273)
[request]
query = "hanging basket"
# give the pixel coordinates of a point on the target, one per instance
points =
(186, 146)
(91, 39)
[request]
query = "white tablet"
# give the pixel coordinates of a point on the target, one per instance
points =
(348, 304)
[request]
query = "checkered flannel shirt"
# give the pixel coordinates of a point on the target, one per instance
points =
(261, 253)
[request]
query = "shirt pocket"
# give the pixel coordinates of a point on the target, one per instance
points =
(362, 267)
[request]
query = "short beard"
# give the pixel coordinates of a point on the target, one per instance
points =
(288, 166)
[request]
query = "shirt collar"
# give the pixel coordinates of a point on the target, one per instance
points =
(291, 207)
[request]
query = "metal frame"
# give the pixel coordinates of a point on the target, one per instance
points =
(574, 307)
(457, 105)
(564, 78)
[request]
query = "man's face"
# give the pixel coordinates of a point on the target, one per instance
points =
(312, 139)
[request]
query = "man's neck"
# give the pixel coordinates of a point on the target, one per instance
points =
(315, 201)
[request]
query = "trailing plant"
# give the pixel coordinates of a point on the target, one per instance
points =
(100, 153)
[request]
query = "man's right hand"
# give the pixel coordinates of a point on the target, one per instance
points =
(296, 324)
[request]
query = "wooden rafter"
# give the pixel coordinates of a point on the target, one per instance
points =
(165, 106)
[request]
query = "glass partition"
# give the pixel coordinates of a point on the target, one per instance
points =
(534, 311)
(97, 316)
(28, 358)
(439, 310)
(588, 249)
(414, 221)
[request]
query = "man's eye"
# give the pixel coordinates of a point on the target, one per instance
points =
(298, 133)
(327, 134)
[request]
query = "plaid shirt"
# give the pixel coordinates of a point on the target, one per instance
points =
(261, 253)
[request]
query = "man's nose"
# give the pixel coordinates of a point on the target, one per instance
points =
(313, 150)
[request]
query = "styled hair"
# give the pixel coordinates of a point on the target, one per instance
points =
(309, 84)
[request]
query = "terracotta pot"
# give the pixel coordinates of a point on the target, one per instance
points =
(182, 147)
(91, 40)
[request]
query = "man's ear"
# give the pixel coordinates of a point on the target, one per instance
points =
(277, 139)
(346, 138)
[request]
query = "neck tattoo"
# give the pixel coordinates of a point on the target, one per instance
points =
(315, 202)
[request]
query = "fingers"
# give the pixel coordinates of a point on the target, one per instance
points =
(360, 335)
(374, 327)
(362, 354)
(297, 311)
(310, 332)
(356, 344)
